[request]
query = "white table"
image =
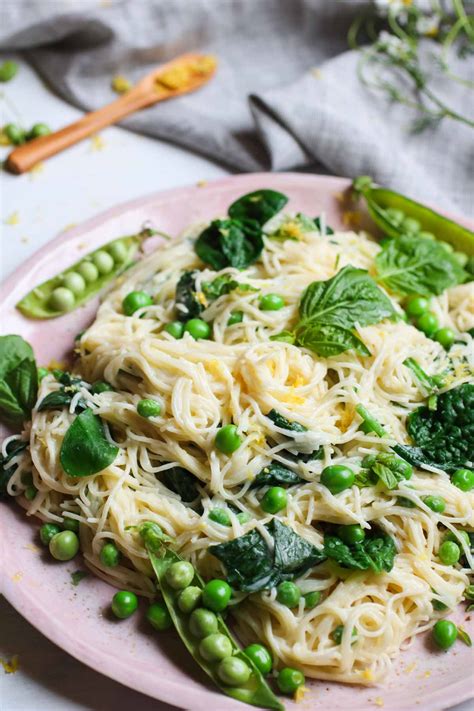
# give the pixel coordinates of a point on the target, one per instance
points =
(70, 188)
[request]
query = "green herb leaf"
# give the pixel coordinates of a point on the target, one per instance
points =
(14, 447)
(330, 309)
(85, 449)
(222, 285)
(281, 421)
(230, 243)
(429, 384)
(18, 380)
(414, 265)
(181, 482)
(464, 637)
(260, 206)
(276, 474)
(78, 575)
(251, 566)
(186, 296)
(317, 222)
(375, 553)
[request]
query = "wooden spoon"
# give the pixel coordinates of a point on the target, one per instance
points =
(182, 75)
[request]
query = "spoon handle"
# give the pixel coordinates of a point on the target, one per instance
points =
(29, 154)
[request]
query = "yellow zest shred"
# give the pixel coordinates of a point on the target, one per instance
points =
(368, 674)
(4, 140)
(201, 298)
(378, 701)
(97, 142)
(10, 666)
(56, 364)
(351, 218)
(299, 693)
(13, 219)
(201, 183)
(179, 76)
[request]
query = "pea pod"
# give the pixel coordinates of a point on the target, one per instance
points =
(83, 280)
(256, 690)
(383, 206)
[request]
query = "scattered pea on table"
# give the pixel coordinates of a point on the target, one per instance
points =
(124, 604)
(64, 545)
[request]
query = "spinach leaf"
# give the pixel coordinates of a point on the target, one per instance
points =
(222, 285)
(14, 447)
(414, 265)
(445, 437)
(317, 222)
(330, 309)
(276, 474)
(252, 566)
(85, 449)
(260, 206)
(18, 380)
(281, 421)
(230, 243)
(186, 296)
(375, 553)
(182, 483)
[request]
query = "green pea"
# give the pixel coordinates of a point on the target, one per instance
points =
(38, 130)
(124, 604)
(101, 386)
(337, 633)
(446, 246)
(227, 439)
(64, 545)
(14, 133)
(457, 536)
(463, 479)
(353, 533)
(159, 617)
(435, 503)
(289, 680)
(47, 531)
(426, 235)
(118, 251)
(449, 553)
(417, 305)
(445, 633)
(215, 647)
(274, 500)
(233, 671)
(461, 258)
(103, 261)
(189, 599)
(42, 373)
(8, 70)
(219, 516)
(312, 599)
(271, 302)
(368, 461)
(216, 595)
(197, 328)
(235, 317)
(71, 524)
(175, 329)
(337, 478)
(110, 555)
(74, 282)
(136, 300)
(428, 323)
(179, 575)
(88, 270)
(288, 594)
(148, 408)
(410, 225)
(395, 216)
(202, 622)
(385, 240)
(445, 336)
(30, 492)
(260, 656)
(61, 299)
(243, 517)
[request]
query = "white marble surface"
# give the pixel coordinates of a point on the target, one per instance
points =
(71, 187)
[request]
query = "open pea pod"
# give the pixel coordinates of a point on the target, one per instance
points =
(255, 691)
(83, 280)
(383, 206)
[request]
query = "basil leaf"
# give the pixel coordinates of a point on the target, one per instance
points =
(186, 296)
(281, 421)
(251, 566)
(222, 285)
(317, 222)
(330, 309)
(59, 399)
(18, 380)
(260, 206)
(375, 553)
(14, 447)
(182, 483)
(386, 475)
(85, 449)
(230, 243)
(414, 265)
(276, 474)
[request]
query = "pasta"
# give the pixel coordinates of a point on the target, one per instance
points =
(239, 377)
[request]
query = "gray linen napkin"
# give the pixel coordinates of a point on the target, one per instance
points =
(267, 108)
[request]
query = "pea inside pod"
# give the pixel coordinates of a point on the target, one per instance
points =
(83, 280)
(396, 214)
(211, 649)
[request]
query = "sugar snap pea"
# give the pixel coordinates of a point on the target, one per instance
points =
(397, 215)
(254, 690)
(81, 281)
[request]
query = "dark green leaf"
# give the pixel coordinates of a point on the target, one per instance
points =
(230, 243)
(275, 474)
(182, 483)
(375, 553)
(327, 340)
(260, 206)
(252, 566)
(223, 284)
(413, 265)
(281, 421)
(14, 447)
(317, 222)
(18, 380)
(186, 297)
(77, 576)
(58, 399)
(85, 449)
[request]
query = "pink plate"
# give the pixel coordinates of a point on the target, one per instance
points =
(77, 621)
